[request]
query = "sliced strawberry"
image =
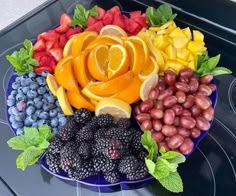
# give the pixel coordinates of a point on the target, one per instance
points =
(40, 69)
(95, 27)
(142, 20)
(101, 13)
(91, 20)
(135, 14)
(56, 53)
(62, 29)
(62, 40)
(39, 55)
(118, 20)
(49, 45)
(132, 26)
(70, 32)
(39, 45)
(114, 10)
(46, 59)
(65, 19)
(49, 36)
(107, 18)
(78, 29)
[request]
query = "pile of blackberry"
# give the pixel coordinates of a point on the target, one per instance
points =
(91, 145)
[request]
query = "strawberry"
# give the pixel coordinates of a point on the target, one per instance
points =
(65, 19)
(49, 45)
(62, 40)
(39, 45)
(56, 53)
(95, 27)
(40, 69)
(101, 13)
(90, 21)
(78, 29)
(70, 32)
(49, 36)
(107, 18)
(62, 29)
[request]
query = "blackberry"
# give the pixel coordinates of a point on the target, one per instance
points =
(66, 133)
(128, 164)
(139, 173)
(111, 148)
(84, 134)
(99, 133)
(142, 154)
(112, 177)
(98, 163)
(95, 151)
(53, 162)
(93, 122)
(136, 144)
(56, 145)
(104, 164)
(104, 120)
(84, 150)
(86, 170)
(124, 123)
(82, 116)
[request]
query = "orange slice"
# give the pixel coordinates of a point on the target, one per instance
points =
(118, 61)
(152, 67)
(112, 30)
(86, 91)
(78, 101)
(105, 39)
(111, 87)
(97, 62)
(81, 42)
(131, 93)
(147, 85)
(115, 107)
(67, 47)
(52, 84)
(64, 74)
(63, 101)
(80, 68)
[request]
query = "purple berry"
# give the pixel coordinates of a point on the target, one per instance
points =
(21, 106)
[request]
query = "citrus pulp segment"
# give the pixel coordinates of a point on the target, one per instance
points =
(112, 30)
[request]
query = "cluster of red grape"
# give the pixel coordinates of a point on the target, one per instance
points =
(177, 109)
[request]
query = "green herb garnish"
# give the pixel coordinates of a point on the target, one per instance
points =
(81, 15)
(207, 65)
(159, 16)
(163, 165)
(22, 59)
(33, 144)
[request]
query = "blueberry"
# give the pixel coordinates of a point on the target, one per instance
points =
(37, 112)
(17, 79)
(36, 99)
(34, 86)
(11, 102)
(14, 110)
(32, 118)
(43, 115)
(17, 125)
(15, 85)
(51, 106)
(53, 113)
(19, 131)
(44, 100)
(30, 110)
(32, 75)
(23, 82)
(55, 130)
(41, 90)
(12, 118)
(59, 115)
(41, 81)
(9, 110)
(21, 106)
(32, 94)
(51, 99)
(41, 122)
(20, 117)
(14, 92)
(46, 107)
(21, 97)
(54, 122)
(57, 104)
(28, 81)
(35, 124)
(25, 89)
(44, 74)
(62, 121)
(30, 102)
(27, 122)
(39, 104)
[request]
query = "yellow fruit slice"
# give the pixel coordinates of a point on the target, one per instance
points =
(81, 42)
(67, 47)
(152, 68)
(63, 101)
(111, 87)
(118, 61)
(112, 30)
(147, 85)
(64, 74)
(115, 107)
(52, 84)
(97, 62)
(86, 91)
(80, 68)
(78, 101)
(131, 93)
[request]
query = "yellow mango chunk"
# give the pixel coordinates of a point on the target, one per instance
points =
(166, 25)
(195, 46)
(190, 57)
(173, 65)
(177, 32)
(161, 42)
(180, 42)
(171, 52)
(164, 56)
(154, 28)
(198, 36)
(192, 65)
(187, 32)
(183, 53)
(182, 62)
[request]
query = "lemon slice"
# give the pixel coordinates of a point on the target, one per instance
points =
(115, 107)
(112, 30)
(147, 85)
(52, 84)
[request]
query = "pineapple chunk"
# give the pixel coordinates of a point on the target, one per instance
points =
(171, 52)
(192, 65)
(187, 32)
(198, 36)
(180, 42)
(182, 62)
(195, 46)
(173, 65)
(183, 53)
(164, 55)
(161, 42)
(166, 25)
(190, 57)
(177, 32)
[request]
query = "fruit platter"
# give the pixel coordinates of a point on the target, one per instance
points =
(109, 97)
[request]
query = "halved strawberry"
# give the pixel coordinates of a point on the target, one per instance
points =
(101, 13)
(62, 40)
(49, 36)
(95, 27)
(90, 21)
(115, 9)
(78, 29)
(118, 20)
(108, 18)
(49, 45)
(40, 69)
(57, 53)
(39, 55)
(70, 32)
(62, 29)
(39, 45)
(65, 19)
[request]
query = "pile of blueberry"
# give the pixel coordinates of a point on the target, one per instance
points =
(31, 104)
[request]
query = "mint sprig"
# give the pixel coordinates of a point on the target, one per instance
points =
(81, 15)
(22, 60)
(163, 165)
(208, 65)
(33, 144)
(159, 16)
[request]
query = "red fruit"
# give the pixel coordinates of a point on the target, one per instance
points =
(70, 32)
(49, 45)
(119, 21)
(101, 13)
(39, 55)
(56, 53)
(46, 59)
(39, 69)
(62, 40)
(142, 20)
(39, 45)
(49, 36)
(90, 21)
(135, 14)
(95, 27)
(114, 10)
(108, 18)
(78, 29)
(65, 19)
(132, 26)
(62, 29)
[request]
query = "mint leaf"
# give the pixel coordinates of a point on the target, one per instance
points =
(173, 157)
(93, 11)
(150, 165)
(172, 182)
(213, 61)
(45, 132)
(18, 143)
(161, 170)
(43, 145)
(220, 71)
(32, 135)
(28, 156)
(149, 144)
